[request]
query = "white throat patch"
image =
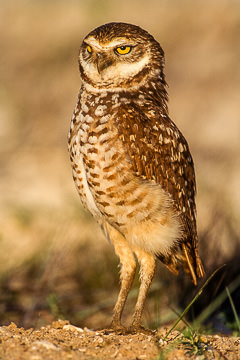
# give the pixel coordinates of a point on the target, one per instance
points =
(119, 71)
(125, 70)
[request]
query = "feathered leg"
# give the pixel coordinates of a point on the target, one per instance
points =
(128, 267)
(147, 269)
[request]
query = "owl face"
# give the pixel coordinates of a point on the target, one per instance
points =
(117, 54)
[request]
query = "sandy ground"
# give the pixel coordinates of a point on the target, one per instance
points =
(61, 340)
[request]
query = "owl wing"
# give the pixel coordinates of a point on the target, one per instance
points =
(159, 152)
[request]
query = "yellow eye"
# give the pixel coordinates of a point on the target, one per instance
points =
(89, 49)
(122, 50)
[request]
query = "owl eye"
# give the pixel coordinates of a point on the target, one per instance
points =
(89, 49)
(122, 50)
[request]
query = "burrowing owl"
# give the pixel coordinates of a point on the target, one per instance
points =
(131, 164)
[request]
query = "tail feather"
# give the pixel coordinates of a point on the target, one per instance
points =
(188, 261)
(189, 258)
(192, 263)
(200, 268)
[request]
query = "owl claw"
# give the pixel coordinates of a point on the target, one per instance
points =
(116, 328)
(134, 329)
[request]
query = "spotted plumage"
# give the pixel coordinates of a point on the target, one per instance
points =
(131, 164)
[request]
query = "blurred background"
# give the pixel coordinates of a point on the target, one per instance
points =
(54, 260)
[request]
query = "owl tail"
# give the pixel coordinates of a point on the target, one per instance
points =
(190, 259)
(192, 263)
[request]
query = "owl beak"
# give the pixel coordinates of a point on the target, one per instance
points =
(103, 62)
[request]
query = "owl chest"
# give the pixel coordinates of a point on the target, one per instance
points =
(92, 148)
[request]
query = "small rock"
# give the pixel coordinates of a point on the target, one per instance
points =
(72, 328)
(47, 344)
(60, 324)
(204, 339)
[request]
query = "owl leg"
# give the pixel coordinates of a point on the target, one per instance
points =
(147, 269)
(128, 267)
(127, 272)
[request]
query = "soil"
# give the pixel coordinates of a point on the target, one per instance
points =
(61, 340)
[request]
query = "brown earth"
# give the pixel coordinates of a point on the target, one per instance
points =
(61, 340)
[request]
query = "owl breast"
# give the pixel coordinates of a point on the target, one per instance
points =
(96, 155)
(106, 181)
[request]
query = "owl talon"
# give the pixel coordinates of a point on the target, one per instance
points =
(118, 329)
(135, 329)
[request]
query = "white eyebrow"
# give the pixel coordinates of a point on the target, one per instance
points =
(116, 42)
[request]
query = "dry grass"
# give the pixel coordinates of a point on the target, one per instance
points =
(54, 260)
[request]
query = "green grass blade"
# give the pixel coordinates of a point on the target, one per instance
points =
(184, 320)
(233, 308)
(193, 301)
(216, 302)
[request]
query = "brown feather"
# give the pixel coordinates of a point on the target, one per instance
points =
(168, 162)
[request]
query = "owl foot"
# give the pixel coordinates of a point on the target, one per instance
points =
(135, 329)
(116, 328)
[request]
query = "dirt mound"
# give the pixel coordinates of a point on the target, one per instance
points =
(61, 340)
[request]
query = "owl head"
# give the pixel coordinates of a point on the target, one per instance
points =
(120, 56)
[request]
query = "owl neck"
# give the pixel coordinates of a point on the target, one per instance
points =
(148, 94)
(155, 93)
